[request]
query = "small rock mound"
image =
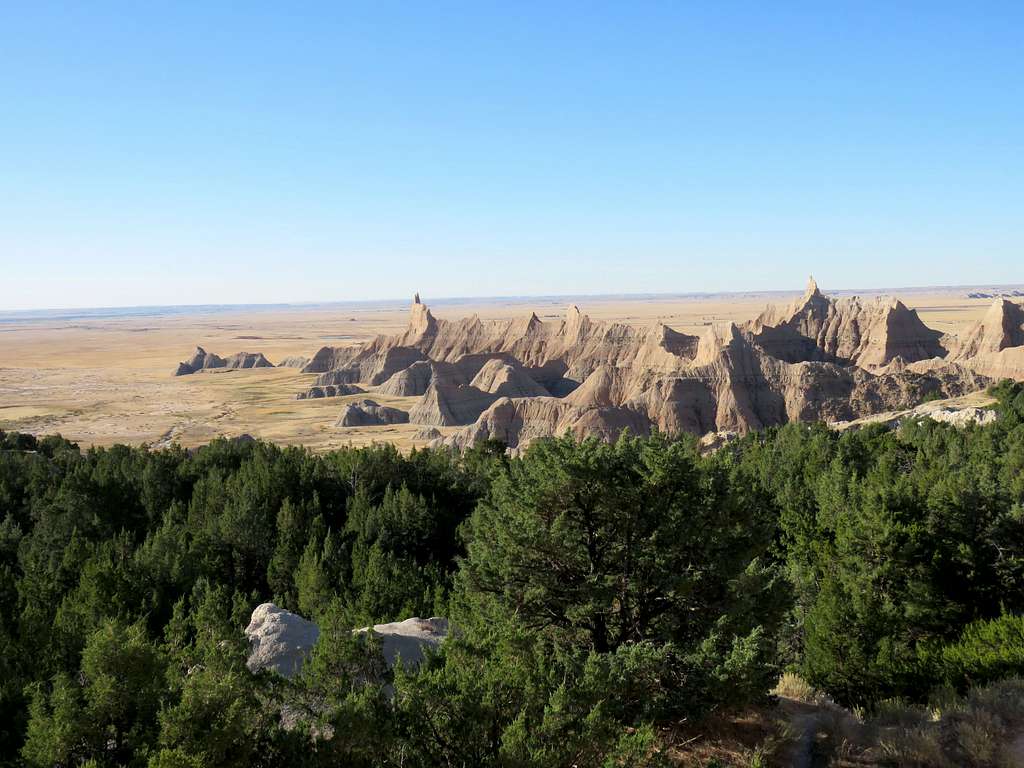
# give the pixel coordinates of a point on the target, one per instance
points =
(279, 640)
(409, 639)
(368, 413)
(961, 417)
(505, 380)
(202, 360)
(415, 380)
(330, 390)
(518, 422)
(427, 433)
(294, 361)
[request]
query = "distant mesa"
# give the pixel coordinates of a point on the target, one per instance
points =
(202, 360)
(367, 413)
(820, 358)
(996, 295)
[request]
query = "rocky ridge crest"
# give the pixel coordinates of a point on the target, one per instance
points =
(819, 358)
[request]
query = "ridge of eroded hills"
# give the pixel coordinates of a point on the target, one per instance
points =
(820, 358)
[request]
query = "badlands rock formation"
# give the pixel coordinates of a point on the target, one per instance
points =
(367, 413)
(994, 345)
(446, 405)
(202, 360)
(846, 331)
(294, 361)
(819, 358)
(330, 390)
(281, 640)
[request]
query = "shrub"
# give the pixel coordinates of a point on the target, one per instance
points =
(985, 651)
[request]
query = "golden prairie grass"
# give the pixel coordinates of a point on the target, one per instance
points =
(792, 686)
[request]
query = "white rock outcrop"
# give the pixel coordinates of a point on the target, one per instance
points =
(281, 640)
(409, 639)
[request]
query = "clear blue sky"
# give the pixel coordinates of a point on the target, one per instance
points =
(188, 152)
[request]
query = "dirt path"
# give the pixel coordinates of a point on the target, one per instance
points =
(806, 722)
(806, 725)
(1016, 750)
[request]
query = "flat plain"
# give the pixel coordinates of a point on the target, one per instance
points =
(102, 378)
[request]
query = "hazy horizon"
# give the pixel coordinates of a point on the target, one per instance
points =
(164, 156)
(391, 301)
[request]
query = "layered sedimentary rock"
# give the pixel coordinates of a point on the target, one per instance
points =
(994, 346)
(417, 378)
(368, 413)
(819, 358)
(869, 334)
(202, 360)
(428, 434)
(446, 405)
(373, 368)
(503, 379)
(518, 421)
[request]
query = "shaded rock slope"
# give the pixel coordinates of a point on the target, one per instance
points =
(818, 358)
(368, 413)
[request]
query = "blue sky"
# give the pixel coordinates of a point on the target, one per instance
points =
(194, 152)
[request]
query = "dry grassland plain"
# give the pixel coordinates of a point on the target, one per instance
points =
(104, 379)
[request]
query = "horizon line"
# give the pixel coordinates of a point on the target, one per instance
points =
(5, 313)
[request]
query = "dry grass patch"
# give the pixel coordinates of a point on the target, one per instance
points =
(792, 686)
(757, 738)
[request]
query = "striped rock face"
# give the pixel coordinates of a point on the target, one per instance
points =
(819, 358)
